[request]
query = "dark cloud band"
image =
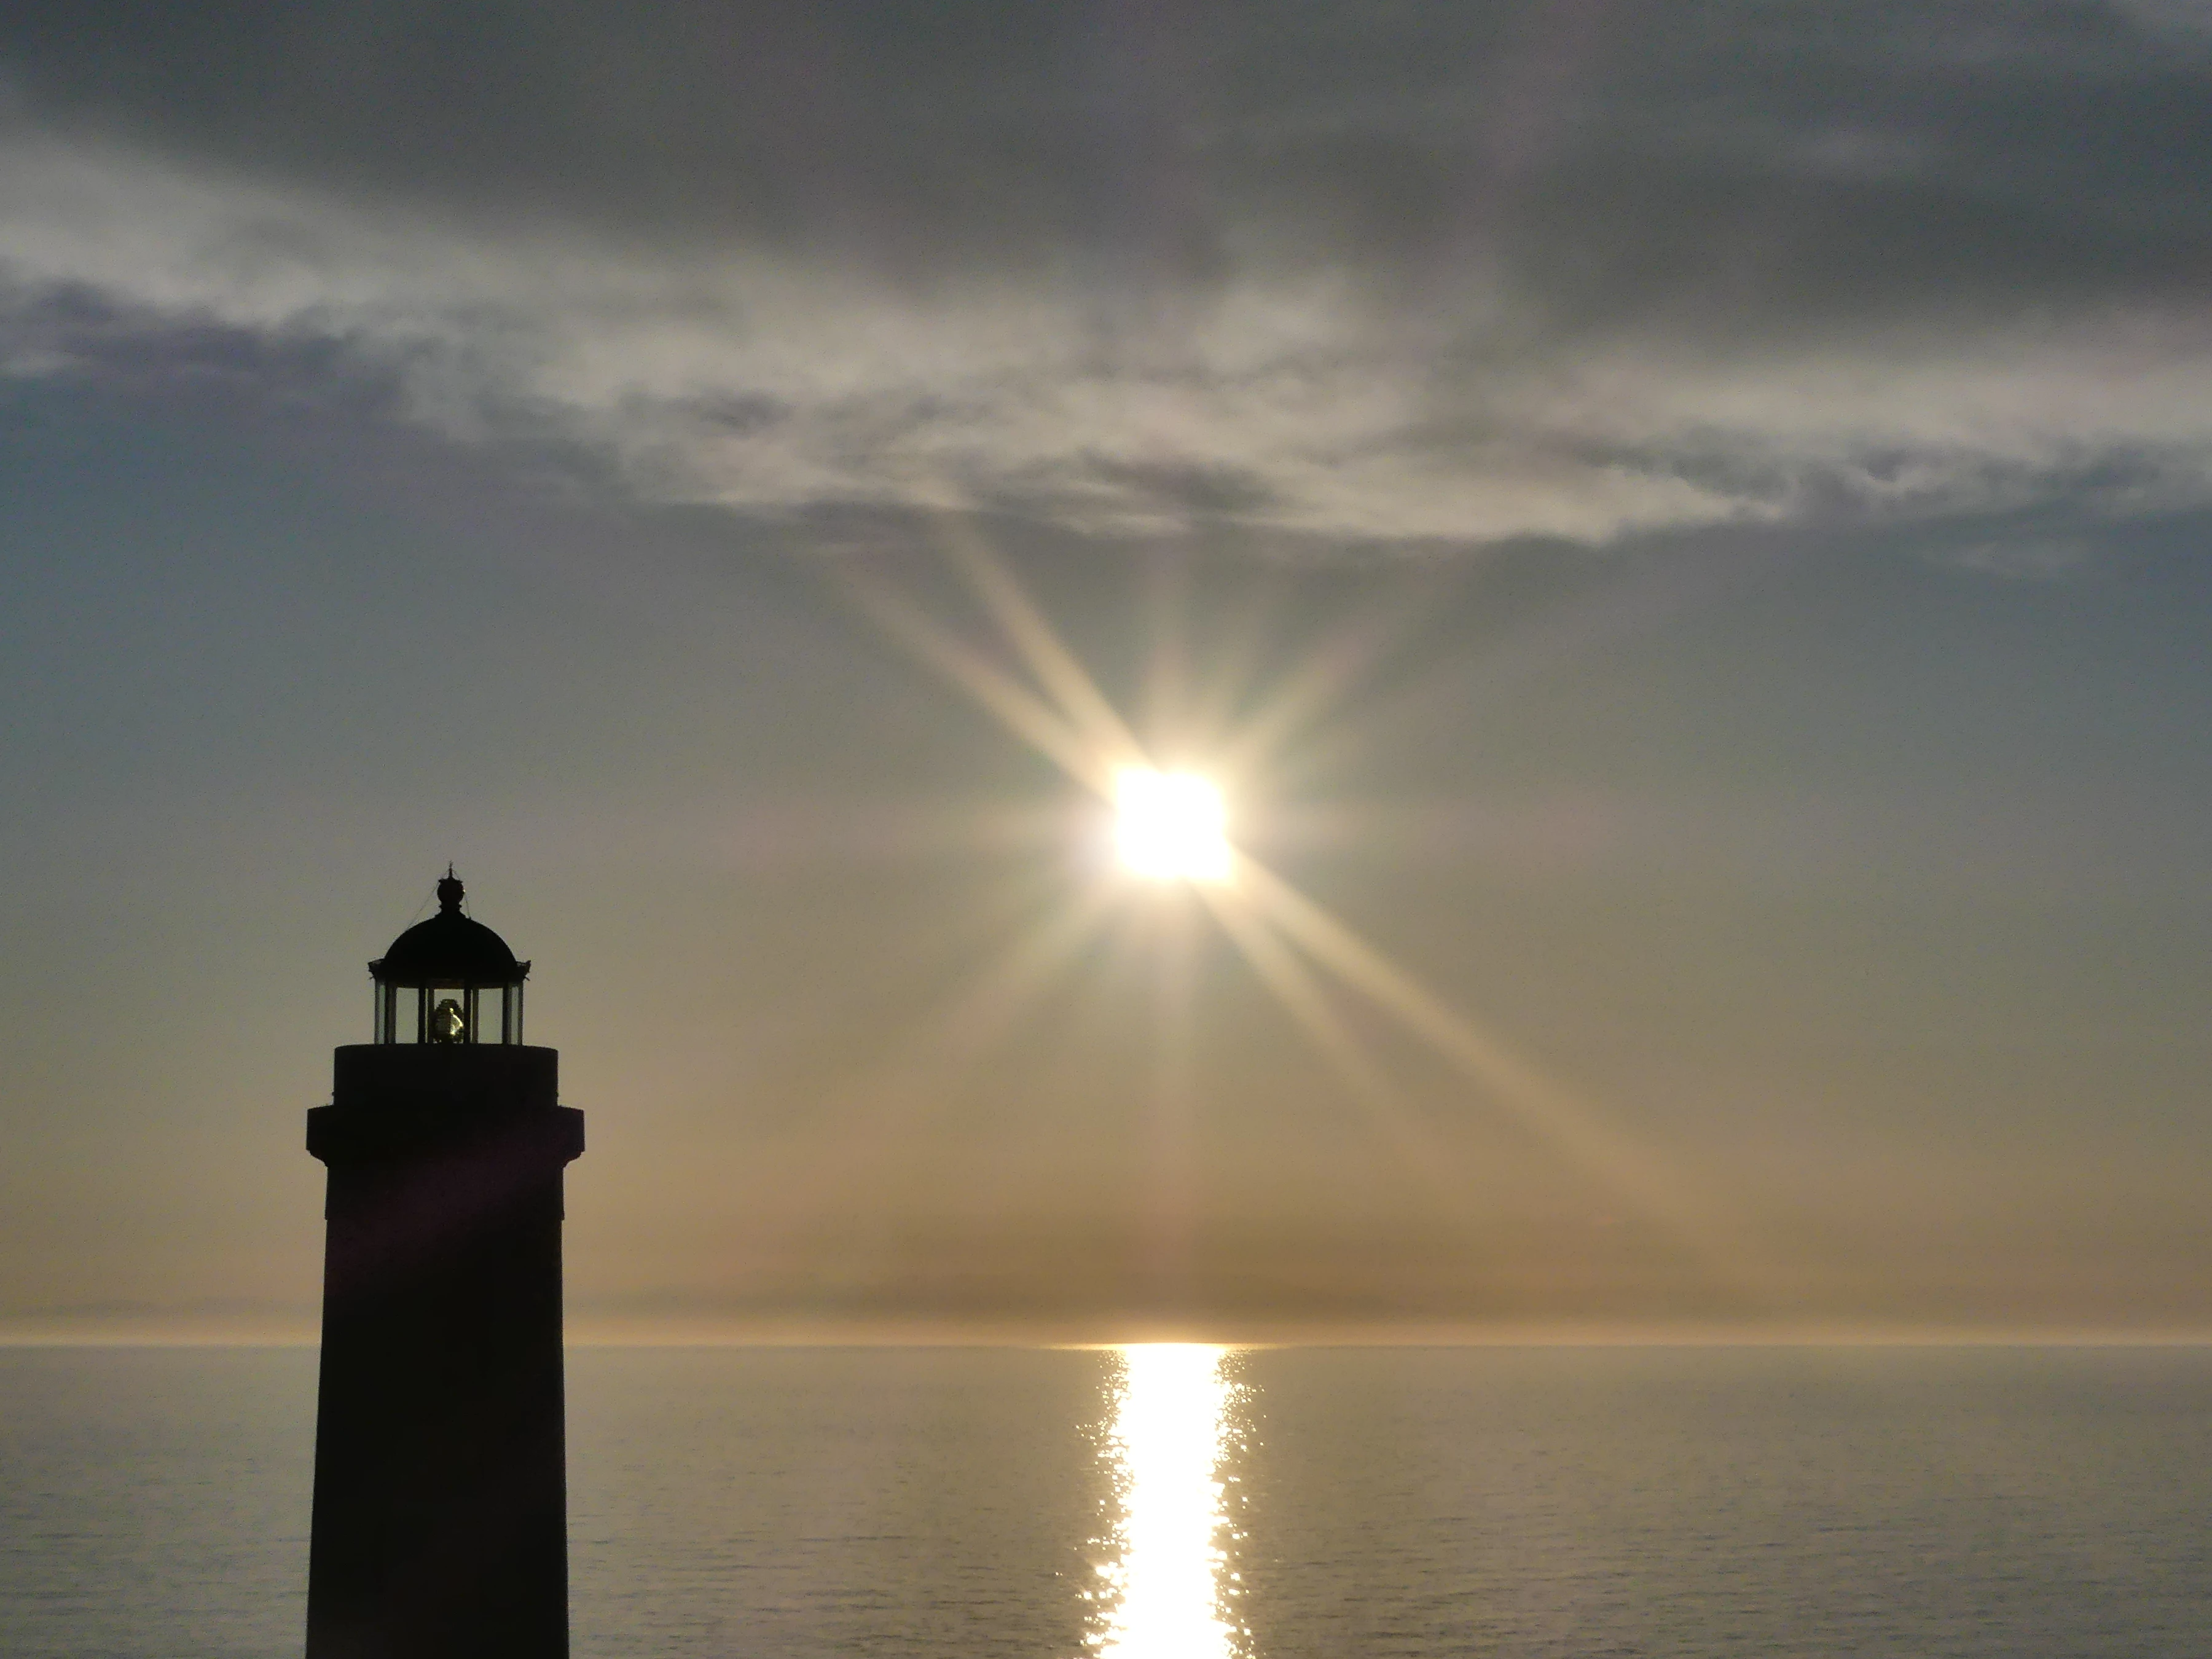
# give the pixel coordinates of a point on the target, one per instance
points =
(1450, 272)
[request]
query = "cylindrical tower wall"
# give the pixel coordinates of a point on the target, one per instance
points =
(441, 1502)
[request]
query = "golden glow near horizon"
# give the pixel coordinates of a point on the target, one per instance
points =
(1171, 825)
(1168, 1592)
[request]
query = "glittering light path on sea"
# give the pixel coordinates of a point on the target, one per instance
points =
(1164, 1597)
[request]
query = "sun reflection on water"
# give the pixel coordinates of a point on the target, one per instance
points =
(1168, 1594)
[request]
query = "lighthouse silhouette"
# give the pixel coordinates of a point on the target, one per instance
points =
(441, 1508)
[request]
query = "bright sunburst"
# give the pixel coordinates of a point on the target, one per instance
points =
(1171, 825)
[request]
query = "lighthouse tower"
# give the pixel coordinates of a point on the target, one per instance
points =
(440, 1523)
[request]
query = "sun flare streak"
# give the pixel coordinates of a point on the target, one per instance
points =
(1429, 1163)
(1043, 727)
(1633, 1171)
(873, 1119)
(1167, 1590)
(1064, 679)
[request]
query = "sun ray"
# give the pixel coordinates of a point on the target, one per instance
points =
(1234, 653)
(1063, 678)
(1329, 669)
(1171, 1125)
(1633, 1171)
(1020, 710)
(940, 1048)
(995, 999)
(1306, 1000)
(1165, 714)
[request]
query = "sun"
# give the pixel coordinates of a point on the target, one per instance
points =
(1171, 825)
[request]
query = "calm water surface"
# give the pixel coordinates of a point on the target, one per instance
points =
(1192, 1503)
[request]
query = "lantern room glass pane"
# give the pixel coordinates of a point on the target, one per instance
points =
(406, 1014)
(409, 1013)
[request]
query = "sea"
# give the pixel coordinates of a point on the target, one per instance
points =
(1178, 1501)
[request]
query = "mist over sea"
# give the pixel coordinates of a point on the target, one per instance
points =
(1291, 1504)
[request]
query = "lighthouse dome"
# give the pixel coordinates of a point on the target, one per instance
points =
(449, 949)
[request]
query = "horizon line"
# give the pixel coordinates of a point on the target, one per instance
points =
(33, 1333)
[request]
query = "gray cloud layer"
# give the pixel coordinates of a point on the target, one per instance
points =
(1370, 273)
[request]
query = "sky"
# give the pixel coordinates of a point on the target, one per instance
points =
(1678, 529)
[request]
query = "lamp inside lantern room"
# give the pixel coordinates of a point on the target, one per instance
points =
(449, 980)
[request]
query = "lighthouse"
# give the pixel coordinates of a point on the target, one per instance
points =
(440, 1504)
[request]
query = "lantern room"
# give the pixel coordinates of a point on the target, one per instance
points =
(449, 980)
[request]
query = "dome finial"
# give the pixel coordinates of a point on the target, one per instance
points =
(449, 891)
